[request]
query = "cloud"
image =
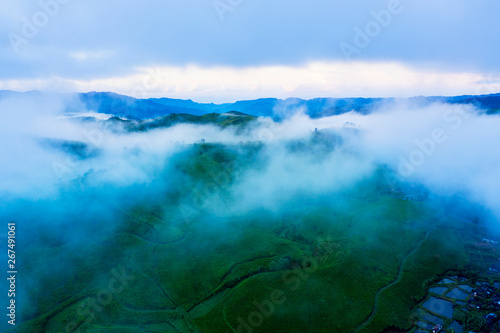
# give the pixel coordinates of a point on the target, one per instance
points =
(447, 148)
(251, 35)
(444, 148)
(228, 84)
(90, 55)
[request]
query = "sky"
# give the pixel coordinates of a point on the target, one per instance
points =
(228, 50)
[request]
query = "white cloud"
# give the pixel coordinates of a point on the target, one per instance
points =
(90, 55)
(316, 79)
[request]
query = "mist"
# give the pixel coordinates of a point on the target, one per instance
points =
(68, 182)
(420, 145)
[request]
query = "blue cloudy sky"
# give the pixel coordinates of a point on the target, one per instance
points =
(226, 50)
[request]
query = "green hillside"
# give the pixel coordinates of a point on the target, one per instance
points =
(355, 261)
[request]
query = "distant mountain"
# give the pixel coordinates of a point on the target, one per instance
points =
(132, 108)
(489, 103)
(151, 108)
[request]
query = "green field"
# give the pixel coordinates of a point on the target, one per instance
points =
(354, 260)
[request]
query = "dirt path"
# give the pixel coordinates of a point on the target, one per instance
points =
(397, 280)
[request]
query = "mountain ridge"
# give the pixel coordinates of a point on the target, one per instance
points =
(136, 108)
